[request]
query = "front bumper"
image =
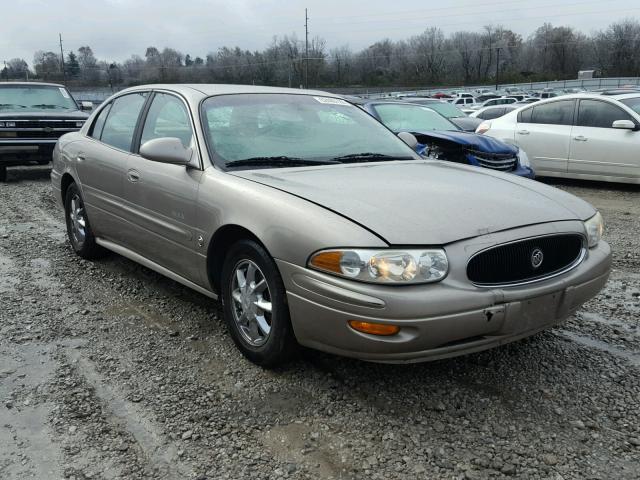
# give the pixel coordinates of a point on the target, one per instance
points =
(440, 320)
(20, 151)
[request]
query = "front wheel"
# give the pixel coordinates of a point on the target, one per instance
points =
(255, 305)
(78, 228)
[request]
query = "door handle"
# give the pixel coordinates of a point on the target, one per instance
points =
(580, 138)
(133, 176)
(80, 157)
(523, 132)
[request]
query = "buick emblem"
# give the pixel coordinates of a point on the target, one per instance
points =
(536, 258)
(48, 129)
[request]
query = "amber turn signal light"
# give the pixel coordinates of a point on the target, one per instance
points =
(374, 328)
(327, 261)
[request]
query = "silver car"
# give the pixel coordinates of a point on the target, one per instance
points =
(317, 226)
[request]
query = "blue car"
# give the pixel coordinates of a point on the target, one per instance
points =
(439, 138)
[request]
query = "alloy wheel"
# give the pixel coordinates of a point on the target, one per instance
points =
(252, 307)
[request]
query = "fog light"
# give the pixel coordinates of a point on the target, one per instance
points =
(374, 328)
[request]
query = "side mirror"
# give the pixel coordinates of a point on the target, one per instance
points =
(624, 125)
(166, 150)
(409, 139)
(86, 106)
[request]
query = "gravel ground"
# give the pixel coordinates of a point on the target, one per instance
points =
(110, 371)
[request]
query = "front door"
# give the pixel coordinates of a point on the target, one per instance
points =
(599, 149)
(162, 197)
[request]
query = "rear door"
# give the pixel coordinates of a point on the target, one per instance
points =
(544, 132)
(599, 149)
(101, 161)
(162, 197)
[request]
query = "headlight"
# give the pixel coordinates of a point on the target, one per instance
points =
(384, 266)
(484, 127)
(523, 158)
(595, 228)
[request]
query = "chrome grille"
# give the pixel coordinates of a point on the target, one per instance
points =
(505, 162)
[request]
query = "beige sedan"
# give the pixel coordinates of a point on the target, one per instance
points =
(317, 226)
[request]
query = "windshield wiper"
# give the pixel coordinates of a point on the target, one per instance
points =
(279, 161)
(12, 105)
(368, 157)
(49, 105)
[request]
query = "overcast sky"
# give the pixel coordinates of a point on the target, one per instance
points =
(117, 28)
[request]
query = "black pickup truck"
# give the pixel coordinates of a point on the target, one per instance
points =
(32, 118)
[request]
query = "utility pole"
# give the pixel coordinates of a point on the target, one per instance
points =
(306, 49)
(64, 75)
(498, 67)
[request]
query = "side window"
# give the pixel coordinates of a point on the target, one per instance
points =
(594, 113)
(167, 117)
(98, 124)
(491, 113)
(554, 113)
(525, 116)
(121, 123)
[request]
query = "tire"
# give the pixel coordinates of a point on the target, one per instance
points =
(79, 230)
(3, 173)
(246, 309)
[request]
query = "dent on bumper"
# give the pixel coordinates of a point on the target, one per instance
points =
(437, 320)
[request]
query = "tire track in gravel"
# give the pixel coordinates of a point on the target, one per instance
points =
(160, 454)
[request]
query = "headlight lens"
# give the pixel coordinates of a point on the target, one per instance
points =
(523, 158)
(595, 229)
(484, 127)
(384, 266)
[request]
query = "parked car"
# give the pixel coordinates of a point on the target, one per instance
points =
(587, 136)
(486, 96)
(449, 111)
(32, 117)
(489, 113)
(527, 100)
(315, 225)
(493, 102)
(463, 101)
(440, 139)
(440, 95)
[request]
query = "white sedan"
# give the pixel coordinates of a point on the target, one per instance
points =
(587, 136)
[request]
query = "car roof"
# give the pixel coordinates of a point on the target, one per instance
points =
(24, 84)
(211, 89)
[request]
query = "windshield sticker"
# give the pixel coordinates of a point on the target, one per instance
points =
(64, 92)
(331, 101)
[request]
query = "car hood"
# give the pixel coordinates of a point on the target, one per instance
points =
(45, 115)
(425, 202)
(468, 124)
(474, 141)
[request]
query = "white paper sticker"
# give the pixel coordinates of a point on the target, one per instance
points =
(331, 101)
(64, 92)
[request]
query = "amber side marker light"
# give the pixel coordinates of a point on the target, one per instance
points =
(374, 328)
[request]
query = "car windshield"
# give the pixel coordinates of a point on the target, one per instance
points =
(445, 109)
(280, 130)
(29, 98)
(633, 103)
(412, 118)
